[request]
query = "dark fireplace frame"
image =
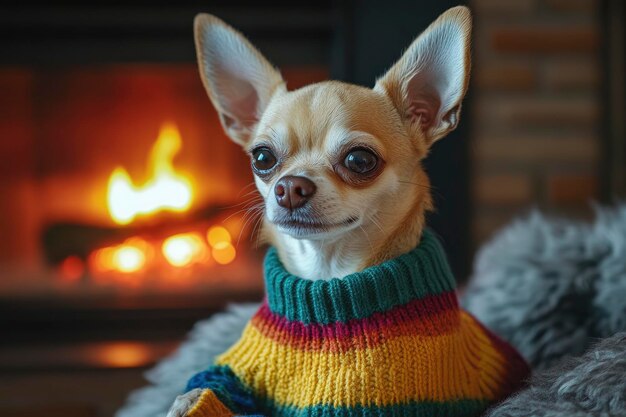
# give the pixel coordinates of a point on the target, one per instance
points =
(613, 164)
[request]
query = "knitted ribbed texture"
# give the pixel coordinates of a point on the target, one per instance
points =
(423, 271)
(388, 341)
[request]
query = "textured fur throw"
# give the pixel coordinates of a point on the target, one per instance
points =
(590, 385)
(551, 287)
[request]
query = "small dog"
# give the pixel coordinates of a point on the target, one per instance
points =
(337, 165)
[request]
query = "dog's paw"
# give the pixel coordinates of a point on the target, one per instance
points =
(184, 403)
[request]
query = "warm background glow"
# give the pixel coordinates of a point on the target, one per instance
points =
(184, 249)
(127, 257)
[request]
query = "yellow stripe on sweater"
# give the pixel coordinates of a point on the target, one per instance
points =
(461, 365)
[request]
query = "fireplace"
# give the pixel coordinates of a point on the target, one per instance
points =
(119, 181)
(112, 172)
(124, 184)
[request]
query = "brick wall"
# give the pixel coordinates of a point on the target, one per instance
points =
(536, 109)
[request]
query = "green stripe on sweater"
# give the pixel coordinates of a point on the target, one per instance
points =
(417, 274)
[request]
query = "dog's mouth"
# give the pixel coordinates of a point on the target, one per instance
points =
(303, 226)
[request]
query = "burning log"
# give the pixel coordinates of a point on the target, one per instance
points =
(63, 239)
(204, 238)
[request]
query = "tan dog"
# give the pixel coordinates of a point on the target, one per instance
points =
(338, 165)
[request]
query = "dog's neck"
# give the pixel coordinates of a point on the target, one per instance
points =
(358, 249)
(319, 259)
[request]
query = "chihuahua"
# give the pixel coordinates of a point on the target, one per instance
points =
(339, 166)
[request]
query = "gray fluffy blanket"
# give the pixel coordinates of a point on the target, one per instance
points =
(551, 287)
(554, 288)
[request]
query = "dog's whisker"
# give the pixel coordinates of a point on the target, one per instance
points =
(252, 184)
(256, 231)
(250, 211)
(252, 196)
(253, 191)
(242, 203)
(367, 237)
(247, 201)
(248, 217)
(246, 197)
(428, 187)
(245, 209)
(243, 227)
(250, 202)
(386, 213)
(253, 210)
(375, 221)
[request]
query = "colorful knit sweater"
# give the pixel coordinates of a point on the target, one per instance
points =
(388, 341)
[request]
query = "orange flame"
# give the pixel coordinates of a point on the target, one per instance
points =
(165, 190)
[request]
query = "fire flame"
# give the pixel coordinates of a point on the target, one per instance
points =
(165, 190)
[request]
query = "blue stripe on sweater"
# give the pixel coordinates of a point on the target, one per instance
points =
(226, 387)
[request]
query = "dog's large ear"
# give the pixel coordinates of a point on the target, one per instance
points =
(428, 83)
(239, 80)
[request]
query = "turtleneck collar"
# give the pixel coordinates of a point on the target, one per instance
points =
(421, 273)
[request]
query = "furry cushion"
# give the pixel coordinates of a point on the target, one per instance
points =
(590, 385)
(551, 287)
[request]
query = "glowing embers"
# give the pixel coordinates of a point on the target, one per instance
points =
(184, 249)
(165, 190)
(223, 250)
(127, 257)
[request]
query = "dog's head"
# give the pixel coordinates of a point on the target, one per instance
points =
(333, 160)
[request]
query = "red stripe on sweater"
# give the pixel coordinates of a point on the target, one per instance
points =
(430, 316)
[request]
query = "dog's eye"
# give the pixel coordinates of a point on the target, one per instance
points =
(361, 161)
(263, 160)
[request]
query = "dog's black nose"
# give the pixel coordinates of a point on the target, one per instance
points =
(293, 192)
